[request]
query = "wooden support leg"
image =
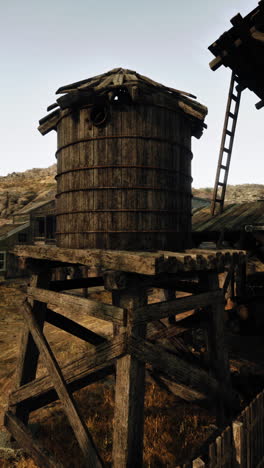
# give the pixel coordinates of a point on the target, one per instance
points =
(240, 278)
(217, 354)
(28, 351)
(92, 459)
(170, 295)
(129, 393)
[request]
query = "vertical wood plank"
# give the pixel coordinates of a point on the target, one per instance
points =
(219, 452)
(261, 432)
(247, 421)
(129, 393)
(238, 443)
(198, 463)
(212, 456)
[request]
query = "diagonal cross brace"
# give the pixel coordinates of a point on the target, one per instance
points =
(81, 432)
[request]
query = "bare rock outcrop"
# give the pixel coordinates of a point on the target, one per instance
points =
(20, 188)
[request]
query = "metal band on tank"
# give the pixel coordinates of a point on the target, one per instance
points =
(121, 210)
(127, 232)
(118, 137)
(154, 189)
(123, 166)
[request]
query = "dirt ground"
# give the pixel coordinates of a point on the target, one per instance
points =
(173, 429)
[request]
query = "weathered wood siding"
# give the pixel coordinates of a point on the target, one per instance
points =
(127, 184)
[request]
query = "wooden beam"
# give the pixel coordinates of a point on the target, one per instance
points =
(25, 439)
(64, 285)
(77, 374)
(180, 390)
(161, 310)
(135, 262)
(145, 263)
(176, 368)
(78, 304)
(73, 328)
(128, 427)
(92, 458)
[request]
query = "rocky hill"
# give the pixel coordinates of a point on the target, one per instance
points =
(235, 193)
(20, 188)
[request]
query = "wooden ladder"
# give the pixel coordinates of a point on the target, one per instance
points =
(226, 147)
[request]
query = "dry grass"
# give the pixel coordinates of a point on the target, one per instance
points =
(172, 430)
(171, 427)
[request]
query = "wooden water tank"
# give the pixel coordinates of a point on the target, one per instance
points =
(124, 163)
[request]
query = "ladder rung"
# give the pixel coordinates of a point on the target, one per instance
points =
(219, 200)
(228, 132)
(222, 184)
(230, 114)
(227, 150)
(234, 97)
(223, 167)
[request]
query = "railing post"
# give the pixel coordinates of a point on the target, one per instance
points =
(198, 463)
(238, 443)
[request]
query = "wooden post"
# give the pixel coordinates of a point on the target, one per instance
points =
(198, 463)
(240, 277)
(130, 391)
(217, 354)
(238, 443)
(170, 295)
(28, 351)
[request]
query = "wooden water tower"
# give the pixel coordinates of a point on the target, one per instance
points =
(124, 163)
(124, 182)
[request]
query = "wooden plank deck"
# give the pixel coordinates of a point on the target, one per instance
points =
(145, 263)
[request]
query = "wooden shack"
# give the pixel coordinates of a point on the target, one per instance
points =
(35, 223)
(11, 234)
(241, 49)
(233, 225)
(41, 215)
(124, 162)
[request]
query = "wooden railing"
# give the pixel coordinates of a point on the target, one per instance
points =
(240, 445)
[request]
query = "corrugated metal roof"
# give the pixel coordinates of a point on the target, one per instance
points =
(234, 217)
(199, 203)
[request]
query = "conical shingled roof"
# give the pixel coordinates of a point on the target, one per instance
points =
(139, 89)
(116, 78)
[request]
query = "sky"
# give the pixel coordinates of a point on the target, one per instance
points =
(49, 44)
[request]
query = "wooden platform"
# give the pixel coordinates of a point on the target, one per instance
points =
(139, 335)
(145, 263)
